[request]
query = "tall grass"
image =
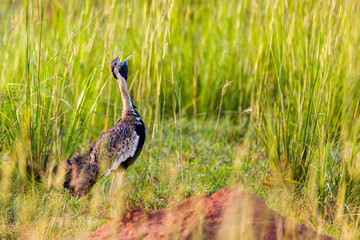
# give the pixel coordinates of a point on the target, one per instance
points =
(291, 109)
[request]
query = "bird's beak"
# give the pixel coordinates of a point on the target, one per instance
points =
(118, 57)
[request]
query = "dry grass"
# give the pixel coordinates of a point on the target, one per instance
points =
(287, 127)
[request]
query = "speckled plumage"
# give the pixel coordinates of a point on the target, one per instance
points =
(118, 147)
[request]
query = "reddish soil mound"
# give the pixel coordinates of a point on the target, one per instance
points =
(227, 214)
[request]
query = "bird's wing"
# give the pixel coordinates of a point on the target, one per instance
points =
(119, 144)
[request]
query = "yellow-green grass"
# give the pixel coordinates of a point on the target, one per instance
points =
(259, 94)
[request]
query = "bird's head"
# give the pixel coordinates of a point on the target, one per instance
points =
(117, 67)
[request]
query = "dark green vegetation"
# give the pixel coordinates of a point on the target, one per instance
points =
(261, 94)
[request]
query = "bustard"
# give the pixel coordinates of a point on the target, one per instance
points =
(115, 150)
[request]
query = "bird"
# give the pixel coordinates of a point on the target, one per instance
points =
(115, 150)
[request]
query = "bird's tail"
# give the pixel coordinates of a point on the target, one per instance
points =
(80, 175)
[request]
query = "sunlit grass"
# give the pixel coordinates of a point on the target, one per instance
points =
(260, 94)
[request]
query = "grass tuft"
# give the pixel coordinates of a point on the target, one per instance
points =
(286, 128)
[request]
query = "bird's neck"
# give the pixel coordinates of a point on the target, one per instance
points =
(127, 104)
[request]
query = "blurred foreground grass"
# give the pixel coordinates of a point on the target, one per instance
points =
(261, 94)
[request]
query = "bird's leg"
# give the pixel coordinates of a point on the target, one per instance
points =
(112, 184)
(116, 181)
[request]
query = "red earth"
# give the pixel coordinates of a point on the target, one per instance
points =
(227, 214)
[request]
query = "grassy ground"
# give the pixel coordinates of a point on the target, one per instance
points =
(259, 94)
